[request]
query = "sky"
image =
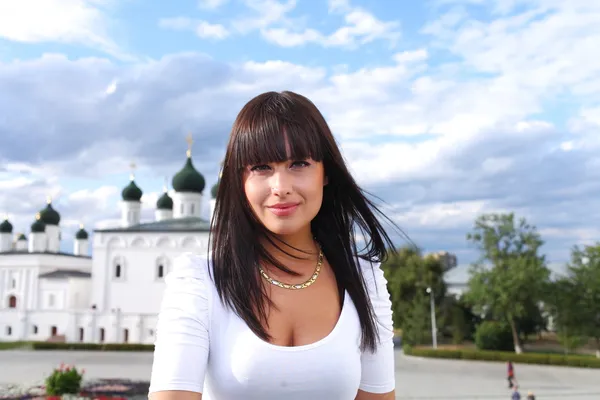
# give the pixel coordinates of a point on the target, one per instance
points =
(444, 109)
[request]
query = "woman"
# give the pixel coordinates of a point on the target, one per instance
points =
(283, 307)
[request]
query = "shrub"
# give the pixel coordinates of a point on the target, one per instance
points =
(492, 335)
(64, 380)
(93, 346)
(580, 361)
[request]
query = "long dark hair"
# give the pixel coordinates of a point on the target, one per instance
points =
(259, 135)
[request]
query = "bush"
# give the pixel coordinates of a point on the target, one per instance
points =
(492, 335)
(64, 380)
(14, 345)
(93, 346)
(503, 356)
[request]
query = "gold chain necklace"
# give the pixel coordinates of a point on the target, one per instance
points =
(303, 285)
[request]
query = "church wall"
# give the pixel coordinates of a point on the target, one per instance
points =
(53, 294)
(20, 282)
(76, 326)
(79, 293)
(132, 271)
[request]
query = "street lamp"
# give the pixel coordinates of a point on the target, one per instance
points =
(433, 324)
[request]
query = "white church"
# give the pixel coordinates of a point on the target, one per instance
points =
(110, 297)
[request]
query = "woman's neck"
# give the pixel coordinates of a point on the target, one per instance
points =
(294, 251)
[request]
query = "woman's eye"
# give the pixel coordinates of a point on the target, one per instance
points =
(300, 164)
(259, 168)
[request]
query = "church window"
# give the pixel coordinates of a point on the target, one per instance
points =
(161, 271)
(8, 330)
(12, 302)
(181, 208)
(13, 283)
(118, 271)
(35, 329)
(192, 209)
(101, 335)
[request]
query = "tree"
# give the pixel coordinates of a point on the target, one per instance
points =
(532, 321)
(510, 274)
(564, 306)
(457, 320)
(584, 273)
(409, 274)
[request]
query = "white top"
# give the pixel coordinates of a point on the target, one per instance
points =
(203, 346)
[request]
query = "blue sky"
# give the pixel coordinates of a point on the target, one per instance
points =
(445, 108)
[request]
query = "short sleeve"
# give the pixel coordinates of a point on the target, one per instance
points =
(378, 369)
(182, 332)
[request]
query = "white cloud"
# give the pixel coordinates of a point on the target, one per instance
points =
(211, 4)
(360, 27)
(211, 31)
(68, 21)
(273, 20)
(202, 29)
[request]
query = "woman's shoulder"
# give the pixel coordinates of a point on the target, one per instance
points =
(191, 267)
(373, 276)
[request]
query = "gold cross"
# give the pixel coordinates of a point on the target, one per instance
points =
(190, 142)
(132, 166)
(48, 199)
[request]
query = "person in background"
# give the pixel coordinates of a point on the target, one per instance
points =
(515, 394)
(530, 395)
(511, 374)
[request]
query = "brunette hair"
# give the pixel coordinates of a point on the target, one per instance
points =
(277, 127)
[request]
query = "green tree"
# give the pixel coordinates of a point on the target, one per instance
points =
(584, 273)
(510, 273)
(564, 306)
(409, 274)
(457, 320)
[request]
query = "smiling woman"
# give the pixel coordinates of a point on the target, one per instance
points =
(285, 306)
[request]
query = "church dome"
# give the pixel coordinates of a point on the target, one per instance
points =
(6, 227)
(38, 226)
(131, 192)
(49, 215)
(81, 234)
(188, 179)
(165, 202)
(22, 237)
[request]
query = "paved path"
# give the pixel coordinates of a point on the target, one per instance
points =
(417, 378)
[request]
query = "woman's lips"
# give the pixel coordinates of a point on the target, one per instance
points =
(283, 209)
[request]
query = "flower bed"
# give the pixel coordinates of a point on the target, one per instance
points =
(103, 389)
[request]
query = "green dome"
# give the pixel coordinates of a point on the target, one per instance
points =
(49, 215)
(38, 226)
(22, 237)
(214, 190)
(165, 202)
(6, 227)
(81, 234)
(131, 192)
(188, 179)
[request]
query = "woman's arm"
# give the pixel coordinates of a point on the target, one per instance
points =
(182, 333)
(177, 395)
(373, 396)
(378, 375)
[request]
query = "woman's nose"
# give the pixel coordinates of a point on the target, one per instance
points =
(281, 184)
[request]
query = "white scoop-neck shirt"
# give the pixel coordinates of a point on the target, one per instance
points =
(203, 346)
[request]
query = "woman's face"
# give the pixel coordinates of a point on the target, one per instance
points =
(285, 196)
